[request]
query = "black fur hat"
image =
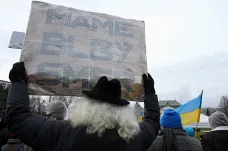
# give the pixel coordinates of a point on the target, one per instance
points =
(107, 91)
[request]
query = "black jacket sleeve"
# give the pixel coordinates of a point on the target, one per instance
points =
(36, 131)
(150, 124)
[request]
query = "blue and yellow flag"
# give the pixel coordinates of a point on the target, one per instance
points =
(190, 111)
(140, 116)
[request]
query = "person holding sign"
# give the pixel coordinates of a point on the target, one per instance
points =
(101, 120)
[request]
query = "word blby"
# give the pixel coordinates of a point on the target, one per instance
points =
(64, 45)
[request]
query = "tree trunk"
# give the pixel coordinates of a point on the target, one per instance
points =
(49, 99)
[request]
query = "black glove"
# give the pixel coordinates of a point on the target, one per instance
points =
(18, 73)
(148, 83)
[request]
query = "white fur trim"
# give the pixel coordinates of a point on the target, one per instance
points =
(220, 128)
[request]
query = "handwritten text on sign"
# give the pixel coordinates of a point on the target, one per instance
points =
(66, 48)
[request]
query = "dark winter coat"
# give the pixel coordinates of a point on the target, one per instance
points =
(52, 135)
(216, 140)
(182, 142)
(5, 135)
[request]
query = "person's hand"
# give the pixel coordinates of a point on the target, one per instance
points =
(18, 72)
(148, 83)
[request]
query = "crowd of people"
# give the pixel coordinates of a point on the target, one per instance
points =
(101, 121)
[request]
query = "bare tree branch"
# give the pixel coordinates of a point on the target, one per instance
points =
(224, 104)
(224, 101)
(37, 104)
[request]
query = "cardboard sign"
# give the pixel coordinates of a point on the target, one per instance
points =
(67, 50)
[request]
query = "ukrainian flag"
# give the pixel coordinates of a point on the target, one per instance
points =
(140, 117)
(190, 111)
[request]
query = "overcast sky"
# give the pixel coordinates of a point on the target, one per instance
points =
(187, 41)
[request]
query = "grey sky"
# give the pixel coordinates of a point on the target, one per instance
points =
(187, 46)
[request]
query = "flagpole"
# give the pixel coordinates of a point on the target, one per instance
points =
(196, 128)
(198, 120)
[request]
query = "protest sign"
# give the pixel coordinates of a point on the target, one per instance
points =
(66, 50)
(16, 40)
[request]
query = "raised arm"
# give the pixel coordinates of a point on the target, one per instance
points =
(150, 124)
(36, 131)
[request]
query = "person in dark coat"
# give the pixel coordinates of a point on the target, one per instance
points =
(56, 110)
(173, 137)
(5, 134)
(217, 138)
(101, 121)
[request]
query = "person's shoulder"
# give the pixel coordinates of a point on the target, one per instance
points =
(208, 137)
(157, 144)
(215, 134)
(187, 140)
(158, 140)
(190, 142)
(193, 139)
